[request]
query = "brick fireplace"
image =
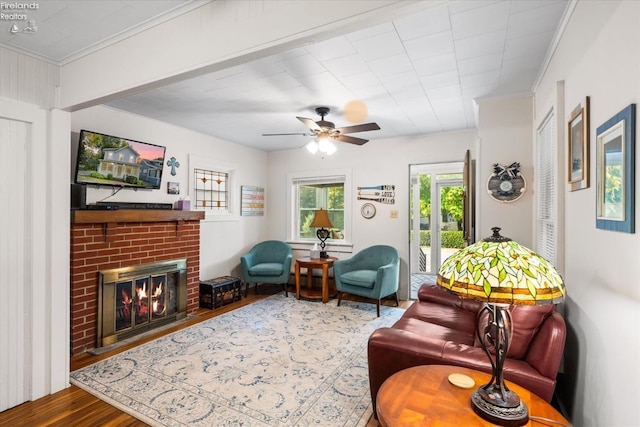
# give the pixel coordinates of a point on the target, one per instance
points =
(104, 240)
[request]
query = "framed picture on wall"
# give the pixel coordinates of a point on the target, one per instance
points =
(578, 140)
(173, 188)
(615, 172)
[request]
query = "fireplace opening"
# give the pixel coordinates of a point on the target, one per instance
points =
(135, 299)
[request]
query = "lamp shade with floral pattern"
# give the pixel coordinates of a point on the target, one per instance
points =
(499, 270)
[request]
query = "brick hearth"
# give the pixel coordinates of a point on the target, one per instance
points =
(101, 245)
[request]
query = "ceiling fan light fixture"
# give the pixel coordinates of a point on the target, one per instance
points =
(312, 146)
(325, 145)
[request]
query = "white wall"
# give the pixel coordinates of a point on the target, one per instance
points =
(505, 136)
(27, 79)
(598, 56)
(379, 162)
(221, 242)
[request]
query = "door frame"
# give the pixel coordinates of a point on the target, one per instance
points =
(46, 247)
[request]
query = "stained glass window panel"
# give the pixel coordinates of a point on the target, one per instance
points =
(211, 190)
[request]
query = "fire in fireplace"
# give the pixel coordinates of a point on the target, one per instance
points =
(135, 299)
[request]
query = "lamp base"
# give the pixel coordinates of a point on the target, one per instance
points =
(503, 415)
(324, 254)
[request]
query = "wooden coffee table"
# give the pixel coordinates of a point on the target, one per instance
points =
(310, 263)
(423, 396)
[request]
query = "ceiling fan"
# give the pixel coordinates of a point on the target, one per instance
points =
(324, 129)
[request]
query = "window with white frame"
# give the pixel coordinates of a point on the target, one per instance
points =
(212, 188)
(546, 171)
(310, 193)
(211, 191)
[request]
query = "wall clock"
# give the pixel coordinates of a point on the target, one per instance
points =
(506, 184)
(368, 210)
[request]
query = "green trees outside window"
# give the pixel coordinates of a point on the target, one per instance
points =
(312, 197)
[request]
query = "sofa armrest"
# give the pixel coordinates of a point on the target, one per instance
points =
(547, 347)
(392, 350)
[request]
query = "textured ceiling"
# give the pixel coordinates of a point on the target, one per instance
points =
(416, 75)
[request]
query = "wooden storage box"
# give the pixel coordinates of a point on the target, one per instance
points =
(220, 291)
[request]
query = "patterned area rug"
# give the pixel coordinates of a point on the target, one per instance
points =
(276, 362)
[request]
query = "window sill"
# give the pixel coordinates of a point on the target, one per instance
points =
(331, 247)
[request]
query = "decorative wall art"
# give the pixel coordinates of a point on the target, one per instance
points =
(615, 172)
(378, 193)
(506, 183)
(173, 188)
(174, 164)
(578, 140)
(252, 201)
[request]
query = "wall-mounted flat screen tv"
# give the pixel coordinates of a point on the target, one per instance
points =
(111, 160)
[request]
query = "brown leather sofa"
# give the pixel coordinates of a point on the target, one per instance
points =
(440, 328)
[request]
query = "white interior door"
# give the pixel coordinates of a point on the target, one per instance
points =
(15, 292)
(33, 326)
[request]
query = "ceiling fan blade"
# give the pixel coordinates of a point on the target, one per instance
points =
(359, 128)
(350, 139)
(309, 123)
(280, 134)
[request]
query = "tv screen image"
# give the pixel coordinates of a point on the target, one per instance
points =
(111, 160)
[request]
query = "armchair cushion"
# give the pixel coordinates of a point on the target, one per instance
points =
(362, 278)
(266, 269)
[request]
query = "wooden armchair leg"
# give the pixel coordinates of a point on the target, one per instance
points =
(246, 289)
(378, 307)
(286, 291)
(339, 298)
(397, 300)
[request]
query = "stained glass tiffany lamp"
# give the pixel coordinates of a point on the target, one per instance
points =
(500, 272)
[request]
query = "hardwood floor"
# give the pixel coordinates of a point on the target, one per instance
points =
(75, 407)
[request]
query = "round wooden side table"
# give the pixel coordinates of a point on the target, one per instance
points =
(423, 396)
(310, 263)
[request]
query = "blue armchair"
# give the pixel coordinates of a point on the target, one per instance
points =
(267, 262)
(373, 272)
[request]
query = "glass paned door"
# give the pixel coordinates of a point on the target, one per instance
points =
(437, 215)
(450, 193)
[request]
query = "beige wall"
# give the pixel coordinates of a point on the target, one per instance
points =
(598, 57)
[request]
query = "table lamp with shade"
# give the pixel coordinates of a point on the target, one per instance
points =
(500, 272)
(322, 222)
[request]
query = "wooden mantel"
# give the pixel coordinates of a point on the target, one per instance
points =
(91, 216)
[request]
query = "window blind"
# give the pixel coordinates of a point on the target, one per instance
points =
(546, 198)
(319, 180)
